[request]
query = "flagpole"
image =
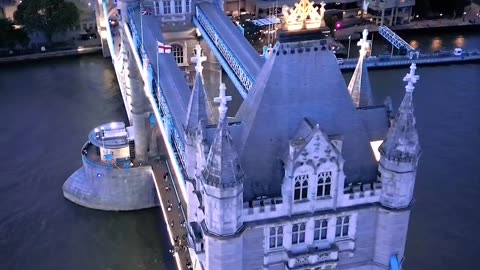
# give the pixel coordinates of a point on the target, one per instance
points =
(158, 74)
(141, 22)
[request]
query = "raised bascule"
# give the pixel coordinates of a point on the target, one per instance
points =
(308, 174)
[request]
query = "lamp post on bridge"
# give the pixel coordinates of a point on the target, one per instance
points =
(349, 43)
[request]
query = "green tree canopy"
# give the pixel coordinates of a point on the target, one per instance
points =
(9, 36)
(47, 16)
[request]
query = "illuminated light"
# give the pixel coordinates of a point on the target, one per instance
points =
(303, 16)
(436, 44)
(375, 145)
(417, 16)
(441, 14)
(99, 175)
(460, 42)
(414, 44)
(338, 25)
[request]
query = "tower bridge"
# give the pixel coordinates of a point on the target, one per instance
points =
(236, 191)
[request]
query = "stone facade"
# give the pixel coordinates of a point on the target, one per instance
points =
(319, 221)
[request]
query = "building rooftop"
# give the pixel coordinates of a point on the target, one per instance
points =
(111, 136)
(301, 80)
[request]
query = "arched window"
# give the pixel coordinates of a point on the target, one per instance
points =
(177, 50)
(341, 228)
(324, 184)
(300, 189)
(276, 236)
(320, 229)
(298, 233)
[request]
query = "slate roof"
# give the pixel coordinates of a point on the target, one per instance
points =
(300, 80)
(402, 141)
(197, 107)
(223, 166)
(376, 121)
(359, 86)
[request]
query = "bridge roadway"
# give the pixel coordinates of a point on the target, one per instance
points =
(236, 55)
(423, 59)
(172, 208)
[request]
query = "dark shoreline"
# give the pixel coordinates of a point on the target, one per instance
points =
(50, 55)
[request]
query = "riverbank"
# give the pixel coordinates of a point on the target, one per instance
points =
(466, 23)
(55, 54)
(418, 27)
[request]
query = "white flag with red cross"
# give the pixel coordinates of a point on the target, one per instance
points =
(162, 48)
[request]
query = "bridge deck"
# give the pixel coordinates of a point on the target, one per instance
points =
(172, 79)
(238, 44)
(171, 204)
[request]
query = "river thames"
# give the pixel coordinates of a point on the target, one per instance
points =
(49, 107)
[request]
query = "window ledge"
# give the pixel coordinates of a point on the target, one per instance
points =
(275, 249)
(321, 198)
(301, 201)
(343, 238)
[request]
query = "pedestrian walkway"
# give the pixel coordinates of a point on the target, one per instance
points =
(172, 208)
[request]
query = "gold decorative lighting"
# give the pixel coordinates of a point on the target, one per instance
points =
(303, 16)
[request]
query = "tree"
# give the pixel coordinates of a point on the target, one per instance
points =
(47, 16)
(10, 37)
(6, 29)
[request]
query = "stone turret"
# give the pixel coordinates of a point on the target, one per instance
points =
(197, 111)
(400, 152)
(223, 178)
(359, 87)
(398, 165)
(223, 186)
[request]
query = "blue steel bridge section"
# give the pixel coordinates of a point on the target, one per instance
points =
(169, 95)
(238, 58)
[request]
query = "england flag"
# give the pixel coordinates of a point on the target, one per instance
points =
(162, 48)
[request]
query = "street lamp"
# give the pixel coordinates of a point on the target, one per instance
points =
(349, 42)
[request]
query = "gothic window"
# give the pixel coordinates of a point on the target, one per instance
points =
(167, 8)
(341, 229)
(298, 233)
(187, 6)
(156, 7)
(178, 6)
(276, 236)
(320, 230)
(324, 184)
(300, 189)
(177, 50)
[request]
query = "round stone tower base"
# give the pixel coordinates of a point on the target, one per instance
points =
(111, 189)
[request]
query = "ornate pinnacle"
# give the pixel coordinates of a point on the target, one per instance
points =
(364, 43)
(411, 78)
(198, 58)
(222, 99)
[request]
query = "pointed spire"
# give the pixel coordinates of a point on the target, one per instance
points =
(223, 167)
(197, 107)
(359, 86)
(402, 141)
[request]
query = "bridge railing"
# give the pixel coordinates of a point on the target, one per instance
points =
(240, 72)
(161, 102)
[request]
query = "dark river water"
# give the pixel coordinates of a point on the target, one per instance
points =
(48, 108)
